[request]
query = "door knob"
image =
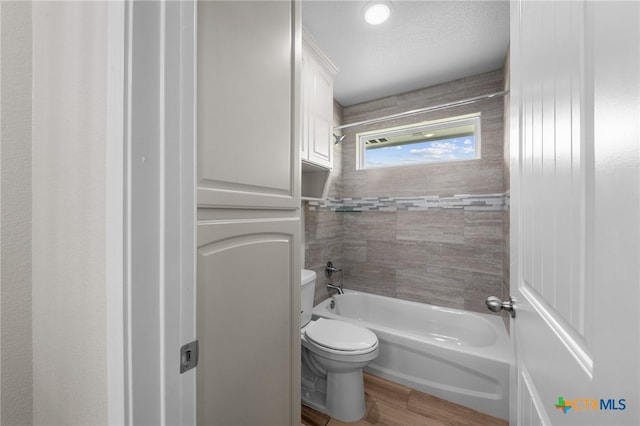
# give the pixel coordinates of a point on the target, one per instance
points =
(496, 305)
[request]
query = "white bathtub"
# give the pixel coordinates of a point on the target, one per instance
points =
(456, 355)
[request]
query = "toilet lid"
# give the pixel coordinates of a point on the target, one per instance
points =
(340, 335)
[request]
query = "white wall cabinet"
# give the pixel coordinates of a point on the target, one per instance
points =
(317, 104)
(248, 228)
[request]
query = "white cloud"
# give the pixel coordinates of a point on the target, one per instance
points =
(437, 150)
(467, 142)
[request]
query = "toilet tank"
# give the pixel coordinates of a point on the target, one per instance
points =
(307, 293)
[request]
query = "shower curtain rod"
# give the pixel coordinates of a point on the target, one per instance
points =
(421, 110)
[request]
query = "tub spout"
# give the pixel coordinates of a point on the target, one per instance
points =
(336, 288)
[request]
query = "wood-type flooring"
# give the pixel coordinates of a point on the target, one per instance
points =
(391, 404)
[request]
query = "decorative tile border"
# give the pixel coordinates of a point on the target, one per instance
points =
(479, 202)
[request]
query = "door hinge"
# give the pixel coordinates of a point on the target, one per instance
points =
(188, 356)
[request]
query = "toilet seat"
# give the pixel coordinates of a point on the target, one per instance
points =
(340, 337)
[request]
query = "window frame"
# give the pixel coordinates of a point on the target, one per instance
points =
(423, 126)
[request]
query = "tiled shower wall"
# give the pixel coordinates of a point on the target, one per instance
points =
(447, 254)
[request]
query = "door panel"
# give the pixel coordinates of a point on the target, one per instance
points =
(320, 142)
(247, 116)
(552, 164)
(552, 171)
(247, 330)
(574, 211)
(531, 408)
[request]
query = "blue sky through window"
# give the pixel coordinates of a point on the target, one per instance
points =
(455, 149)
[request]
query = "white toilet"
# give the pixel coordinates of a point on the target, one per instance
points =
(333, 356)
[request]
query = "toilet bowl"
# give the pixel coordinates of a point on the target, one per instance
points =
(333, 356)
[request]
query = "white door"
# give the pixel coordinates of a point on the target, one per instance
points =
(248, 219)
(575, 108)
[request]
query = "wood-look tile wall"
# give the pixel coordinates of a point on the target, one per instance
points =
(450, 258)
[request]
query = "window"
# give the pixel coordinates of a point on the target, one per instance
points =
(450, 139)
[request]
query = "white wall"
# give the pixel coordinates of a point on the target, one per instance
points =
(68, 163)
(15, 214)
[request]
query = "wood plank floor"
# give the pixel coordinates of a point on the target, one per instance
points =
(391, 404)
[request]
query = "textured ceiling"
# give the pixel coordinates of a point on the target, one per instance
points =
(423, 43)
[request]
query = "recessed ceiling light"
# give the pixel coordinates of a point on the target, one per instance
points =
(376, 12)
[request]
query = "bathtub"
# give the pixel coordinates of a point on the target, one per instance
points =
(460, 356)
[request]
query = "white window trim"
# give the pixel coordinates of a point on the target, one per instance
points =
(423, 126)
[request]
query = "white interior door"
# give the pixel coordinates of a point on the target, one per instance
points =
(575, 211)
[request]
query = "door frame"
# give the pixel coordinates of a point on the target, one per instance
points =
(150, 209)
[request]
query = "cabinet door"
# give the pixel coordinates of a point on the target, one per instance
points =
(320, 149)
(248, 327)
(248, 153)
(317, 112)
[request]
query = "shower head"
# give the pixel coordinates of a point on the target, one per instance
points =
(339, 138)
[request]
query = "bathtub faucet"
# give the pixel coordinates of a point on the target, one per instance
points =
(336, 288)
